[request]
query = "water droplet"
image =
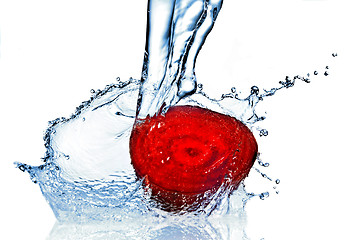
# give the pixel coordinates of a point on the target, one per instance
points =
(255, 90)
(326, 73)
(262, 164)
(233, 90)
(307, 80)
(315, 73)
(264, 195)
(118, 79)
(277, 181)
(22, 168)
(92, 91)
(263, 133)
(334, 54)
(264, 175)
(327, 67)
(288, 82)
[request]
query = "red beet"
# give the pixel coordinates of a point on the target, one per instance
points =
(187, 154)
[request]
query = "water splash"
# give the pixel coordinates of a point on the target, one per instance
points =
(87, 173)
(87, 177)
(87, 164)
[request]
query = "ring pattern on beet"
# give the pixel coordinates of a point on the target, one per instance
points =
(186, 155)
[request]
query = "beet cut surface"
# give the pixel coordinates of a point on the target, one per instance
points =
(187, 154)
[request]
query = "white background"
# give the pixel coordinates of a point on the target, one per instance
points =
(53, 52)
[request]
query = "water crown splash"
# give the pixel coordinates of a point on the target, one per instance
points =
(87, 173)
